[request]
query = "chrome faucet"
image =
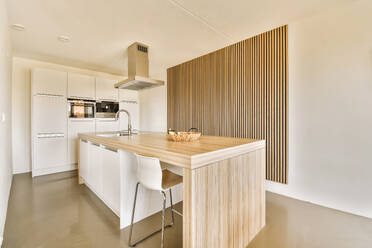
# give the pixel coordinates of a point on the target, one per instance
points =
(129, 122)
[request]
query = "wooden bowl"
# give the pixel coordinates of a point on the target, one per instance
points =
(183, 136)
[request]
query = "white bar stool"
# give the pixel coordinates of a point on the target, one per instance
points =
(151, 176)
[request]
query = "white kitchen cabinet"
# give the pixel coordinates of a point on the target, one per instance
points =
(50, 153)
(110, 168)
(81, 86)
(49, 82)
(95, 172)
(49, 134)
(84, 159)
(76, 126)
(105, 90)
(128, 95)
(107, 125)
(100, 169)
(49, 114)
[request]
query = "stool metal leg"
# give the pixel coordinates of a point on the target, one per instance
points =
(163, 219)
(171, 203)
(172, 209)
(131, 223)
(163, 226)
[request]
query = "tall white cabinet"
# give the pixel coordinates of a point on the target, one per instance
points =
(48, 121)
(55, 143)
(81, 86)
(48, 82)
(105, 90)
(107, 125)
(76, 126)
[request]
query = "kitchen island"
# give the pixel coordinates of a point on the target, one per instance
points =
(223, 182)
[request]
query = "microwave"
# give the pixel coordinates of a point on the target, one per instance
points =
(106, 109)
(81, 108)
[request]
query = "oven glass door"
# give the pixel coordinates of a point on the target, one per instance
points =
(106, 109)
(81, 110)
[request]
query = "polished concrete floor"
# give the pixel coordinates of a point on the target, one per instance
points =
(54, 211)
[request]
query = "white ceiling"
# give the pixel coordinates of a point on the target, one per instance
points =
(175, 30)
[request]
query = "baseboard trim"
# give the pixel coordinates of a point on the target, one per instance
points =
(46, 171)
(20, 171)
(320, 204)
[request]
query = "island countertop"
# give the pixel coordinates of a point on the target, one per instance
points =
(192, 155)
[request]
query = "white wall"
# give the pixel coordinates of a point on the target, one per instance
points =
(330, 109)
(330, 112)
(153, 103)
(5, 110)
(153, 109)
(21, 106)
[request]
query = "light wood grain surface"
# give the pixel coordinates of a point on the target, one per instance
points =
(237, 91)
(224, 202)
(223, 184)
(206, 150)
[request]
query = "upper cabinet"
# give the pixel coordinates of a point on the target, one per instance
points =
(49, 82)
(128, 95)
(81, 86)
(105, 90)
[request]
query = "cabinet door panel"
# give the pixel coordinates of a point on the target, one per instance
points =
(84, 160)
(105, 90)
(50, 82)
(49, 114)
(50, 152)
(103, 125)
(74, 128)
(94, 176)
(81, 86)
(111, 179)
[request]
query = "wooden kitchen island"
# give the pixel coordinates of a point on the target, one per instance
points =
(223, 183)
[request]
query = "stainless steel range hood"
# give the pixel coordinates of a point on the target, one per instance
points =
(138, 69)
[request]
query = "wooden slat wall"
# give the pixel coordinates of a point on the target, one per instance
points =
(237, 91)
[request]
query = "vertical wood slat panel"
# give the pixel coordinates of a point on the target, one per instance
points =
(238, 91)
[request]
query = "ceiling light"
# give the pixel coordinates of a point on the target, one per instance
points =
(18, 27)
(63, 38)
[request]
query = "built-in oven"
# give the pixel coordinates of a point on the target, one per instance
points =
(105, 109)
(81, 108)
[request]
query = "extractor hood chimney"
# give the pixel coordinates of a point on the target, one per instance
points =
(138, 69)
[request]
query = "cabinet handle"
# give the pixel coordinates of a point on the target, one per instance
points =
(50, 135)
(107, 100)
(109, 148)
(128, 101)
(84, 141)
(81, 120)
(82, 97)
(106, 120)
(49, 95)
(95, 144)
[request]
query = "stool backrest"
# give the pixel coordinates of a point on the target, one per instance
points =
(149, 172)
